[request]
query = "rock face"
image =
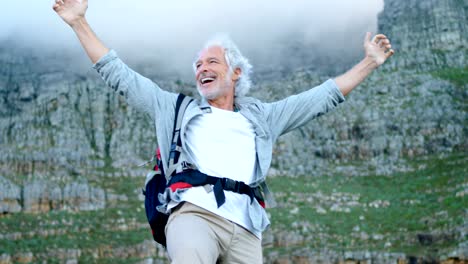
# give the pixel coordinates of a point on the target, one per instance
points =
(80, 196)
(40, 196)
(60, 123)
(37, 197)
(403, 110)
(427, 34)
(43, 196)
(10, 197)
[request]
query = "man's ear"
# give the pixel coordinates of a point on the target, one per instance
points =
(237, 74)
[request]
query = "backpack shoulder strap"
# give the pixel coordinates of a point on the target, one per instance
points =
(176, 145)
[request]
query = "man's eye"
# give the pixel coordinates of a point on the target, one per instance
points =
(213, 61)
(197, 66)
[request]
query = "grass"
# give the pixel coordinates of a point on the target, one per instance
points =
(86, 229)
(457, 76)
(420, 202)
(75, 230)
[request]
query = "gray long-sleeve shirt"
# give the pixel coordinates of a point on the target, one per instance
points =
(270, 120)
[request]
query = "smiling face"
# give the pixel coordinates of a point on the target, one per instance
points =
(213, 75)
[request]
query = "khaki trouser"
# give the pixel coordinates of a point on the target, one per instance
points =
(195, 235)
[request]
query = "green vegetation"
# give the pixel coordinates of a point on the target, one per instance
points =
(457, 76)
(382, 213)
(385, 213)
(73, 230)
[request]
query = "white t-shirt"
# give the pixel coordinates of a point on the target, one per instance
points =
(222, 144)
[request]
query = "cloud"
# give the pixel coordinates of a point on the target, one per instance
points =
(172, 31)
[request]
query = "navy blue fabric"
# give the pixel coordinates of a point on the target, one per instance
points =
(156, 219)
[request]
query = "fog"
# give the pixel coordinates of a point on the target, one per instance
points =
(171, 32)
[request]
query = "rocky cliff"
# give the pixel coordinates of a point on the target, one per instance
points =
(69, 144)
(414, 105)
(428, 34)
(55, 119)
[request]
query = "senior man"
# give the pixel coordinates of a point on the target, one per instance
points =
(224, 134)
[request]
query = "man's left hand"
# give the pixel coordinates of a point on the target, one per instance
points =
(378, 49)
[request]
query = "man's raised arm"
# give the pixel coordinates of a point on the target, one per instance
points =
(377, 50)
(73, 13)
(140, 92)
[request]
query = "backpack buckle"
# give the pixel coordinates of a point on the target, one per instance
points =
(231, 185)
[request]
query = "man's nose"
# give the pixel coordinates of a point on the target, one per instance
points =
(201, 69)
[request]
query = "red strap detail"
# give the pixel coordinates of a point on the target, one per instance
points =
(180, 185)
(158, 158)
(158, 153)
(262, 203)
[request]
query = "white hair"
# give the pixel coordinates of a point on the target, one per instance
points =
(234, 59)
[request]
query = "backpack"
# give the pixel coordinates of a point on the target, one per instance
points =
(156, 180)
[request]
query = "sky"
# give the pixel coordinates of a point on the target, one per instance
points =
(173, 31)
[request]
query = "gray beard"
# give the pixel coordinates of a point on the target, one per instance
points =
(217, 91)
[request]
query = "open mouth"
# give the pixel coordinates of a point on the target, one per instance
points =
(207, 80)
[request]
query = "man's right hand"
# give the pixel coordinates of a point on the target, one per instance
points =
(71, 11)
